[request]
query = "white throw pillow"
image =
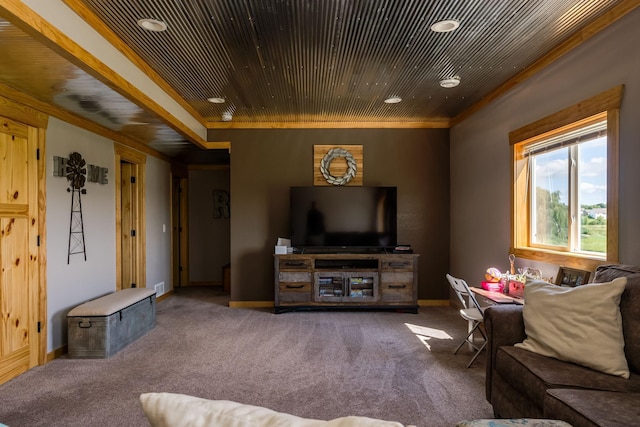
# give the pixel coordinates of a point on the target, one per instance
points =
(582, 325)
(179, 410)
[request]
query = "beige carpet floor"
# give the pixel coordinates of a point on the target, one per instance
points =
(316, 364)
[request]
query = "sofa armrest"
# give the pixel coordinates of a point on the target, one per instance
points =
(504, 326)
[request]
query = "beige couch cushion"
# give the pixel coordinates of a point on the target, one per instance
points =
(179, 410)
(582, 325)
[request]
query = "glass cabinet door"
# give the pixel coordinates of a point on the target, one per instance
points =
(328, 286)
(346, 287)
(361, 286)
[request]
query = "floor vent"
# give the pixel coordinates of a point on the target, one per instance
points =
(159, 288)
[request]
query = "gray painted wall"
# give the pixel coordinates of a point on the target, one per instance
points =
(265, 163)
(71, 284)
(480, 180)
(158, 223)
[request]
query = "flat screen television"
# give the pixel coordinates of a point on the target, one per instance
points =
(346, 217)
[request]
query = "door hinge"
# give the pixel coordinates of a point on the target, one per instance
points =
(39, 327)
(37, 154)
(133, 285)
(180, 268)
(133, 233)
(38, 241)
(133, 179)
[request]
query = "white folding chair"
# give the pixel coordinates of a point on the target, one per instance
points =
(471, 312)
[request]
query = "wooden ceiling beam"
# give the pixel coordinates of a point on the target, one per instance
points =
(64, 115)
(31, 23)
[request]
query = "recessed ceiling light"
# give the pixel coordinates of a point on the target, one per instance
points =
(445, 26)
(393, 100)
(152, 25)
(227, 117)
(216, 100)
(449, 83)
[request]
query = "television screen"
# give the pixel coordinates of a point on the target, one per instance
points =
(343, 216)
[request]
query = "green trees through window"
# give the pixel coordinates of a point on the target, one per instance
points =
(569, 182)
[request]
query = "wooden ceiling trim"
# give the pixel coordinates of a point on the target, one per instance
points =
(44, 108)
(30, 22)
(90, 18)
(431, 124)
(21, 112)
(571, 43)
(220, 145)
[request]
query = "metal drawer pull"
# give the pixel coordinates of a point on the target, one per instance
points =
(295, 286)
(398, 264)
(397, 286)
(294, 264)
(84, 324)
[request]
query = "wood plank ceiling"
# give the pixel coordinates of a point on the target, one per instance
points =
(301, 63)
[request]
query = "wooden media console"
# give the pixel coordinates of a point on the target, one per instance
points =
(371, 281)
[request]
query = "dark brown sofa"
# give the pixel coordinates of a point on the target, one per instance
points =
(522, 384)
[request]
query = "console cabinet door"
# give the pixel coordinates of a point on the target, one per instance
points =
(361, 286)
(328, 286)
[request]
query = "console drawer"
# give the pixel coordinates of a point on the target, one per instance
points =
(288, 264)
(292, 277)
(295, 292)
(396, 287)
(397, 264)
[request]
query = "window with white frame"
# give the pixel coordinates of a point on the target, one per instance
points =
(565, 185)
(568, 190)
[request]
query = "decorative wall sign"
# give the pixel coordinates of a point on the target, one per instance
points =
(76, 173)
(97, 174)
(337, 165)
(94, 173)
(220, 204)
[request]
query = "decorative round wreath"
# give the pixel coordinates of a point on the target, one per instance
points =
(325, 164)
(76, 171)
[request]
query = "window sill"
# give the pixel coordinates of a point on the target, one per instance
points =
(563, 259)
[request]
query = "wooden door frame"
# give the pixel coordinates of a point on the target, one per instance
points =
(38, 123)
(139, 160)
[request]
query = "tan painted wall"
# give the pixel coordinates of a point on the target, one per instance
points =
(480, 149)
(265, 163)
(208, 236)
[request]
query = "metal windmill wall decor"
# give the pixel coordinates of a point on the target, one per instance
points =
(76, 173)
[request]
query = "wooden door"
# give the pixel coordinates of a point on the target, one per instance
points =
(130, 214)
(19, 277)
(128, 202)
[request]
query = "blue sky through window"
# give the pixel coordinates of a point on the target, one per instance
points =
(551, 172)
